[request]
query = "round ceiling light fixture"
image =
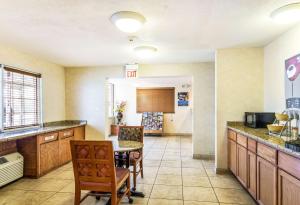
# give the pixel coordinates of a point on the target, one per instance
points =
(128, 21)
(145, 51)
(287, 13)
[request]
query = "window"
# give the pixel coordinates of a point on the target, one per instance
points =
(110, 101)
(20, 98)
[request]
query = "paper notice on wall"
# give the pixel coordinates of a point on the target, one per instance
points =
(292, 82)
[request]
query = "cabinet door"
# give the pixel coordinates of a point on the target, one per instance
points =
(65, 150)
(288, 189)
(79, 133)
(232, 156)
(251, 171)
(49, 156)
(266, 182)
(241, 168)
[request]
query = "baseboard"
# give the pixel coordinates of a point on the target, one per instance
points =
(204, 156)
(222, 171)
(177, 134)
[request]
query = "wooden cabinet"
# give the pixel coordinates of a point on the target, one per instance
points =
(48, 151)
(79, 133)
(64, 146)
(155, 100)
(241, 164)
(266, 182)
(288, 189)
(251, 173)
(232, 156)
(49, 156)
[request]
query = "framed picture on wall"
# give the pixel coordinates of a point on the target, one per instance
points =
(183, 99)
(292, 82)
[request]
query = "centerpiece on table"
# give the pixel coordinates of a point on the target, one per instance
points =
(120, 110)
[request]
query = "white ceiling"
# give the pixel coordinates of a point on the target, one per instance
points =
(79, 33)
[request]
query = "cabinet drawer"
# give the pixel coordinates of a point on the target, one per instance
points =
(289, 164)
(232, 135)
(48, 137)
(252, 145)
(242, 140)
(267, 153)
(66, 133)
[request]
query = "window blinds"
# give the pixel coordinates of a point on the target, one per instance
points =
(21, 98)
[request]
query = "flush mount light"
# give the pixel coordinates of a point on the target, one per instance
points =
(287, 13)
(128, 21)
(145, 51)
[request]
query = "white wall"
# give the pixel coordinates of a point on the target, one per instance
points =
(85, 98)
(282, 48)
(179, 122)
(239, 88)
(53, 80)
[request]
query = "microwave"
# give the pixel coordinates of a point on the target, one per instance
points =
(259, 119)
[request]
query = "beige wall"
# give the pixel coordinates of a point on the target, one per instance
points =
(53, 80)
(284, 47)
(239, 88)
(85, 98)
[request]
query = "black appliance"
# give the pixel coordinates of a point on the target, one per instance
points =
(259, 119)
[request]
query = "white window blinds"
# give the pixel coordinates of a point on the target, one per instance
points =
(21, 98)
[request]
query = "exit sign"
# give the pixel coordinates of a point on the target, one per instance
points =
(131, 70)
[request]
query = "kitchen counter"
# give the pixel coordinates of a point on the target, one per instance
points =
(261, 135)
(47, 127)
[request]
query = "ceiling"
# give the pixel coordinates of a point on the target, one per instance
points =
(79, 33)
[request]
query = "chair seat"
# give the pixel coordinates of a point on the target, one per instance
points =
(121, 176)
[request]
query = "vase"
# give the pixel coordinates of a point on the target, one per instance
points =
(119, 117)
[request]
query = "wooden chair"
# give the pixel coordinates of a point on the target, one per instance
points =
(94, 170)
(134, 133)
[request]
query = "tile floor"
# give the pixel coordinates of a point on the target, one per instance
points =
(172, 177)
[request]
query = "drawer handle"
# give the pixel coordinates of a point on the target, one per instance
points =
(67, 133)
(49, 138)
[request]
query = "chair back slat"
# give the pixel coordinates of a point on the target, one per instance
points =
(133, 133)
(93, 161)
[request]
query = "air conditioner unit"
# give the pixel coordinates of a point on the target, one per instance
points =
(11, 168)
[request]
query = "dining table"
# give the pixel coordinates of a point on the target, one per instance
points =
(122, 149)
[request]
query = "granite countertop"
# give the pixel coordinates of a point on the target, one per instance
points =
(261, 135)
(46, 127)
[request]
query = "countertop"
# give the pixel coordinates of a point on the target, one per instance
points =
(45, 128)
(261, 135)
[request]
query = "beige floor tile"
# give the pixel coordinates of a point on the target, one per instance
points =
(196, 181)
(136, 201)
(24, 184)
(165, 202)
(171, 157)
(169, 171)
(146, 180)
(192, 163)
(150, 171)
(211, 172)
(234, 196)
(68, 199)
(200, 203)
(225, 181)
(168, 179)
(145, 188)
(18, 197)
(171, 163)
(166, 192)
(193, 172)
(53, 174)
(65, 174)
(52, 185)
(199, 194)
(151, 163)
